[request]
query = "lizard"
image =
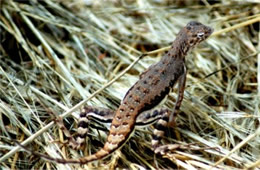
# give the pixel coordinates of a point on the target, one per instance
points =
(152, 87)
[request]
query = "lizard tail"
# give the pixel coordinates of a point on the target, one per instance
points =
(98, 155)
(121, 127)
(105, 151)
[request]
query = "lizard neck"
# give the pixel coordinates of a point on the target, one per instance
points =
(179, 48)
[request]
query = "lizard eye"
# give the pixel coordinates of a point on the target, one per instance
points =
(200, 35)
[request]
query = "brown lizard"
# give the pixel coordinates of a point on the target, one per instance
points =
(152, 87)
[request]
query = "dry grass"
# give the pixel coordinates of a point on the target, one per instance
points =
(58, 55)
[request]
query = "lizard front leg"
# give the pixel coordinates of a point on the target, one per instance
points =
(181, 87)
(168, 118)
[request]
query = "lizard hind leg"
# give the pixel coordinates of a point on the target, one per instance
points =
(161, 118)
(160, 127)
(103, 115)
(88, 113)
(159, 131)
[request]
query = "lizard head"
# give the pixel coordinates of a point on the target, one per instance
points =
(196, 32)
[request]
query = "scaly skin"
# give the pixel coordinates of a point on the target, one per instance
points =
(154, 84)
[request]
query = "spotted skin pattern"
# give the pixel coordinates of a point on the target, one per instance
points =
(152, 87)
